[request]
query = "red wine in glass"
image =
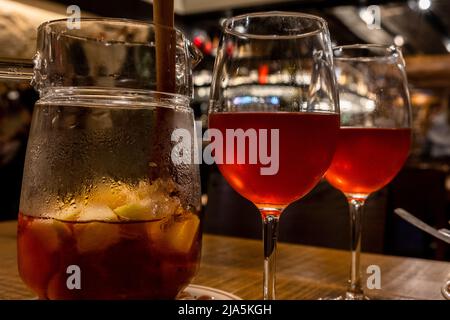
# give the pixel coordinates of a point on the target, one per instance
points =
(367, 159)
(375, 134)
(306, 146)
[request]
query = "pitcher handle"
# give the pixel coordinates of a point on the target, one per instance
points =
(16, 69)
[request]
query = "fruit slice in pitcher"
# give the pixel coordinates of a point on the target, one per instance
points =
(39, 243)
(98, 233)
(175, 236)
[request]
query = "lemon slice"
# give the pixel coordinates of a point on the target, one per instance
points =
(133, 211)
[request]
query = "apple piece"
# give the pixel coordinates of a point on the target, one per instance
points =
(133, 211)
(180, 236)
(49, 233)
(39, 242)
(96, 236)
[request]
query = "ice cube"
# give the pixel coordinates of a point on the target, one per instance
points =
(111, 195)
(157, 207)
(69, 213)
(144, 189)
(167, 206)
(97, 212)
(156, 187)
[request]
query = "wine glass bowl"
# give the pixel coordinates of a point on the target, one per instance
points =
(277, 61)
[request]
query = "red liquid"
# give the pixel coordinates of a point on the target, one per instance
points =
(306, 145)
(138, 260)
(367, 159)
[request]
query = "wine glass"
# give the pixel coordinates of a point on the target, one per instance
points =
(375, 134)
(273, 92)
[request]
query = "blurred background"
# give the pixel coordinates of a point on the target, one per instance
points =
(420, 27)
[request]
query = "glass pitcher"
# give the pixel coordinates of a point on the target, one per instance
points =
(104, 212)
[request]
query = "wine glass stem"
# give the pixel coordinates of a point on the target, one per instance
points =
(270, 235)
(355, 291)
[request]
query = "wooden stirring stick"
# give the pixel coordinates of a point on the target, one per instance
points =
(165, 38)
(163, 18)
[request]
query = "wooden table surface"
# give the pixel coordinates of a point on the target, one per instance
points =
(304, 272)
